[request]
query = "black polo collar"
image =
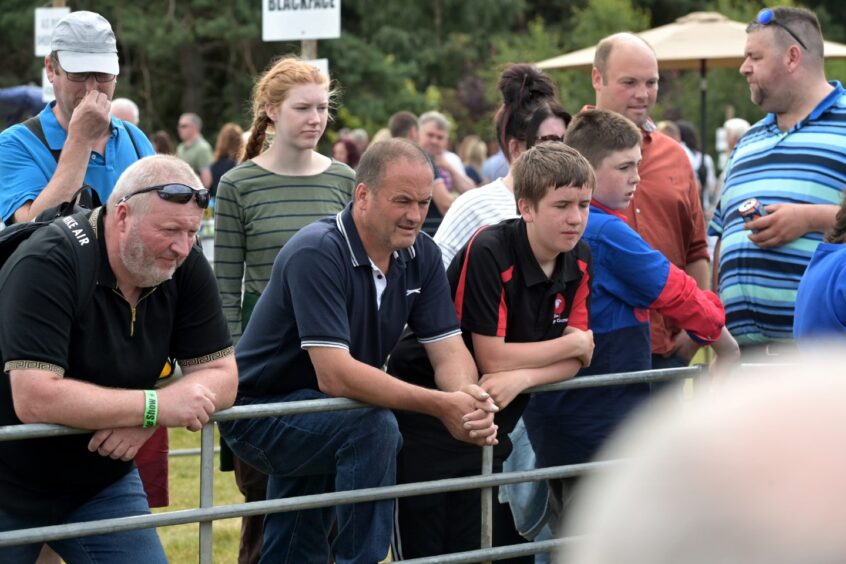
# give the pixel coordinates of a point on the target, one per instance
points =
(532, 272)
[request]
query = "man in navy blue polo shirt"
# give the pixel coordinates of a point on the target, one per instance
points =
(522, 292)
(340, 293)
(95, 148)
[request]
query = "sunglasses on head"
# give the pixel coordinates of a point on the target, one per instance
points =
(550, 138)
(768, 16)
(176, 193)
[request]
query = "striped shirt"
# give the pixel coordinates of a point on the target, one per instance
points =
(256, 213)
(486, 205)
(804, 165)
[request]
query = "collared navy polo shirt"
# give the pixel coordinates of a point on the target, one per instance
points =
(322, 294)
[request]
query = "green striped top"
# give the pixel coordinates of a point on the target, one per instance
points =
(256, 213)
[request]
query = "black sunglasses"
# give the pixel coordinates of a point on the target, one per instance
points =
(176, 193)
(546, 138)
(768, 16)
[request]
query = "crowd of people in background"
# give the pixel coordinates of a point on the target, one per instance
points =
(565, 245)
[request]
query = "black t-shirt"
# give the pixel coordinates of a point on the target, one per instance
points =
(109, 345)
(433, 216)
(218, 169)
(500, 290)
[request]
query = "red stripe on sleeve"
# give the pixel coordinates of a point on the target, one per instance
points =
(462, 279)
(502, 322)
(579, 314)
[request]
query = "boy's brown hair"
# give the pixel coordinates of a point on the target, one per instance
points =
(598, 133)
(549, 166)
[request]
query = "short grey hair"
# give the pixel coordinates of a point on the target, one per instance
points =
(193, 118)
(439, 119)
(129, 106)
(151, 171)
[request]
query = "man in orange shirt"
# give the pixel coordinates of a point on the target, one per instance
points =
(666, 210)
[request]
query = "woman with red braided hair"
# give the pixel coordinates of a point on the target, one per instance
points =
(282, 185)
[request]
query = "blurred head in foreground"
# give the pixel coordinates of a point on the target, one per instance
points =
(750, 472)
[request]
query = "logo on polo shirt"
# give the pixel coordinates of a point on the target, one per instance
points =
(558, 310)
(412, 291)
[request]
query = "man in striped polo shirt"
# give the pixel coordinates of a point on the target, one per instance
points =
(794, 162)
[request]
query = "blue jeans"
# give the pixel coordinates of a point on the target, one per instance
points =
(124, 498)
(317, 453)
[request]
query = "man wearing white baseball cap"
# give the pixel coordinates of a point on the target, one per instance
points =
(74, 141)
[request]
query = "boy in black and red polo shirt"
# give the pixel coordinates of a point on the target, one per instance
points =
(522, 291)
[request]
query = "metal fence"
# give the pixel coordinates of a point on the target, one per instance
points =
(207, 512)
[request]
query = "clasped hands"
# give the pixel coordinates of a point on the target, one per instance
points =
(468, 415)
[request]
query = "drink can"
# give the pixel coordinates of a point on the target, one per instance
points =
(751, 209)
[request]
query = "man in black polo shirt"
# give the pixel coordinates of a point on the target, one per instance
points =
(522, 292)
(155, 299)
(340, 293)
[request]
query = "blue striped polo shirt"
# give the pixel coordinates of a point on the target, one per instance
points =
(804, 165)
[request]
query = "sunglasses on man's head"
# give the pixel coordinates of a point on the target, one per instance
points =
(550, 138)
(768, 16)
(176, 193)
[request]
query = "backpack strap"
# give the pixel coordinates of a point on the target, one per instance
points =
(702, 171)
(34, 125)
(80, 229)
(132, 140)
(87, 198)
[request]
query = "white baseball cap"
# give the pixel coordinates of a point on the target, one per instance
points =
(85, 42)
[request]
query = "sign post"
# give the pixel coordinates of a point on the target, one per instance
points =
(303, 20)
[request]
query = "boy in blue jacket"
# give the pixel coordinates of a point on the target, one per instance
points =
(630, 278)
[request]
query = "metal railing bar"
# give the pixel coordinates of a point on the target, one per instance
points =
(186, 516)
(206, 490)
(487, 500)
(497, 553)
(189, 452)
(40, 430)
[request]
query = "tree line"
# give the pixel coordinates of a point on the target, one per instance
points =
(203, 55)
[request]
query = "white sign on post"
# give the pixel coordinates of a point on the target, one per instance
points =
(45, 20)
(295, 20)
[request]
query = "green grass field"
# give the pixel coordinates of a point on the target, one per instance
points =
(182, 542)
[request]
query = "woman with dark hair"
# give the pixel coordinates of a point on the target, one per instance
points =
(345, 151)
(438, 524)
(821, 297)
(162, 142)
(227, 153)
(529, 114)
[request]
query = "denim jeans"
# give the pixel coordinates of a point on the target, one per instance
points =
(317, 453)
(124, 498)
